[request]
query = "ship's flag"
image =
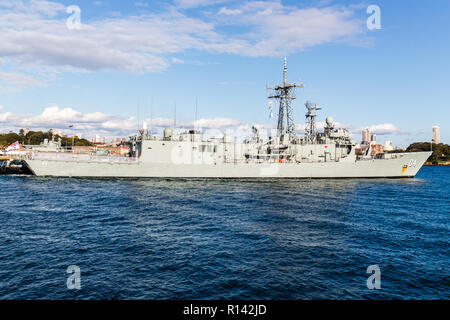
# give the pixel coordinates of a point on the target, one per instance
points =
(14, 146)
(270, 109)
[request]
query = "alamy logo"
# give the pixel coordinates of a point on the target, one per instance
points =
(374, 21)
(74, 21)
(374, 281)
(74, 280)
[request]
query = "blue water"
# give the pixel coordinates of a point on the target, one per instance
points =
(225, 239)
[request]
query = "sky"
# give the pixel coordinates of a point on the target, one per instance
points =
(128, 62)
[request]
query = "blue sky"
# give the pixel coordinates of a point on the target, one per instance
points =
(152, 55)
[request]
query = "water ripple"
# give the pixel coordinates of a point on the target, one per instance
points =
(225, 239)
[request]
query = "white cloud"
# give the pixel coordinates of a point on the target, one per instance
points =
(214, 123)
(275, 29)
(189, 4)
(5, 117)
(141, 4)
(21, 80)
(34, 33)
(133, 44)
(9, 89)
(55, 117)
(229, 12)
(159, 122)
(176, 60)
(48, 8)
(382, 129)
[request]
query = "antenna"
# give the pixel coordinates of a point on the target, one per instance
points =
(138, 119)
(151, 118)
(285, 93)
(175, 116)
(196, 106)
(310, 127)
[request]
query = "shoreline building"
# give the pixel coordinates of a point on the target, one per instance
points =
(388, 146)
(365, 135)
(436, 135)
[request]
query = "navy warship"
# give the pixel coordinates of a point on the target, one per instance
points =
(330, 153)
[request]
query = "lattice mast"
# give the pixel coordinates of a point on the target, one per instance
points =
(310, 126)
(285, 93)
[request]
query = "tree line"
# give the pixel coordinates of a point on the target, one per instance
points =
(37, 137)
(441, 151)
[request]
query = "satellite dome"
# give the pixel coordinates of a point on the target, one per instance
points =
(329, 121)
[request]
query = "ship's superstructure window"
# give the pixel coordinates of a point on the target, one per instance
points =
(208, 148)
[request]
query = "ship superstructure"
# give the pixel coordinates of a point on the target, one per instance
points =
(329, 153)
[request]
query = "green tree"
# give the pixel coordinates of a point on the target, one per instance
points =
(9, 138)
(35, 138)
(441, 152)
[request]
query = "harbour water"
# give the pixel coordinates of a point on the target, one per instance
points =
(225, 239)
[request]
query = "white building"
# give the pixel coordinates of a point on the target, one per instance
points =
(388, 146)
(436, 135)
(365, 135)
(57, 132)
(25, 131)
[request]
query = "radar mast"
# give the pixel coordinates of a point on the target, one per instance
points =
(310, 127)
(285, 94)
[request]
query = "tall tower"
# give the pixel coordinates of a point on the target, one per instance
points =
(285, 93)
(365, 135)
(436, 135)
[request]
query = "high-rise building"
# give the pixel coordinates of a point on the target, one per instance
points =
(373, 138)
(436, 135)
(365, 135)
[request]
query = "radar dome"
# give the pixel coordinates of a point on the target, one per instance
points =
(168, 133)
(329, 121)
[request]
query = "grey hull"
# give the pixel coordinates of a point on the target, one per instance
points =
(405, 165)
